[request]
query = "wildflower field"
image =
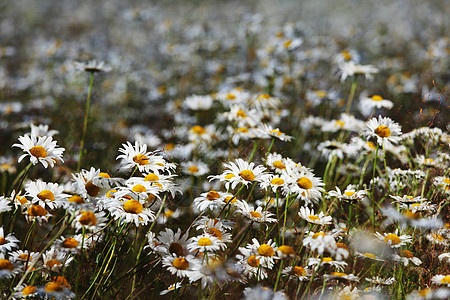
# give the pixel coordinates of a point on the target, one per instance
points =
(224, 149)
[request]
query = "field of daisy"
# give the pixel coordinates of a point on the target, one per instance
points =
(224, 149)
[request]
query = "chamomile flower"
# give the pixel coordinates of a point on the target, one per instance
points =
(7, 243)
(137, 156)
(23, 257)
(368, 255)
(330, 149)
(384, 130)
(195, 168)
(259, 215)
(297, 272)
(5, 204)
(381, 281)
(340, 275)
(243, 172)
(210, 200)
(26, 292)
(308, 215)
(276, 162)
(40, 149)
(441, 280)
(88, 185)
(198, 102)
(444, 257)
(172, 243)
(320, 242)
(58, 288)
(273, 182)
(36, 212)
(205, 243)
(8, 268)
(91, 66)
(55, 259)
(349, 194)
(393, 240)
(263, 293)
(46, 194)
(317, 262)
(89, 220)
(437, 238)
(42, 130)
(349, 69)
(405, 257)
(181, 266)
(271, 132)
(129, 211)
(305, 186)
(266, 252)
(251, 266)
(368, 104)
(73, 244)
(171, 288)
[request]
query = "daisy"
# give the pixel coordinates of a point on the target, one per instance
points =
(339, 275)
(349, 194)
(242, 116)
(205, 223)
(42, 130)
(259, 215)
(297, 272)
(308, 215)
(285, 251)
(130, 211)
(24, 257)
(92, 66)
(339, 265)
(198, 102)
(405, 256)
(273, 182)
(393, 240)
(58, 288)
(137, 157)
(441, 280)
(7, 267)
(243, 172)
(276, 162)
(211, 200)
(383, 129)
(407, 199)
(40, 149)
(251, 266)
(271, 132)
(243, 133)
(348, 69)
(368, 255)
(55, 259)
(381, 281)
(368, 104)
(329, 149)
(320, 242)
(436, 238)
(171, 288)
(179, 265)
(194, 168)
(5, 204)
(89, 220)
(7, 243)
(217, 230)
(26, 291)
(170, 243)
(263, 293)
(305, 185)
(37, 212)
(88, 185)
(46, 194)
(205, 243)
(266, 253)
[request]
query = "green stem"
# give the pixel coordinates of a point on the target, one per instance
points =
(351, 95)
(373, 184)
(255, 147)
(85, 121)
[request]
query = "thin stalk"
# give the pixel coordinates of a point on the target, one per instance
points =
(351, 95)
(85, 121)
(255, 147)
(373, 184)
(385, 169)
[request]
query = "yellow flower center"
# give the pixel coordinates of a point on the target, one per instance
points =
(255, 214)
(321, 94)
(304, 183)
(151, 177)
(247, 175)
(241, 130)
(76, 199)
(168, 213)
(342, 245)
(24, 257)
(276, 132)
(383, 131)
(230, 198)
(38, 152)
(212, 195)
(279, 165)
(253, 261)
(339, 123)
(277, 181)
(139, 188)
(314, 218)
(180, 263)
(299, 271)
(369, 255)
(193, 169)
(28, 290)
(22, 200)
(286, 250)
(169, 146)
(5, 264)
(338, 274)
(110, 193)
(70, 243)
(53, 287)
(395, 240)
(37, 211)
(3, 241)
(446, 180)
(88, 218)
(91, 189)
(263, 97)
(446, 279)
(214, 232)
(349, 194)
(141, 159)
(230, 96)
(241, 113)
(53, 262)
(437, 237)
(229, 176)
(133, 207)
(265, 250)
(406, 253)
(104, 175)
(327, 259)
(317, 234)
(346, 55)
(287, 43)
(204, 242)
(376, 98)
(197, 129)
(176, 248)
(46, 195)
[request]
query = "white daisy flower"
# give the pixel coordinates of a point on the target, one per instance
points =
(384, 130)
(46, 194)
(339, 265)
(42, 130)
(36, 212)
(5, 204)
(393, 240)
(349, 194)
(194, 168)
(8, 268)
(349, 69)
(441, 280)
(170, 243)
(259, 215)
(243, 172)
(251, 266)
(271, 132)
(305, 185)
(274, 182)
(205, 243)
(320, 219)
(130, 211)
(7, 243)
(89, 185)
(181, 266)
(55, 260)
(91, 66)
(26, 291)
(211, 200)
(198, 102)
(297, 272)
(40, 149)
(266, 253)
(444, 257)
(381, 281)
(138, 156)
(368, 104)
(339, 275)
(171, 288)
(405, 257)
(320, 242)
